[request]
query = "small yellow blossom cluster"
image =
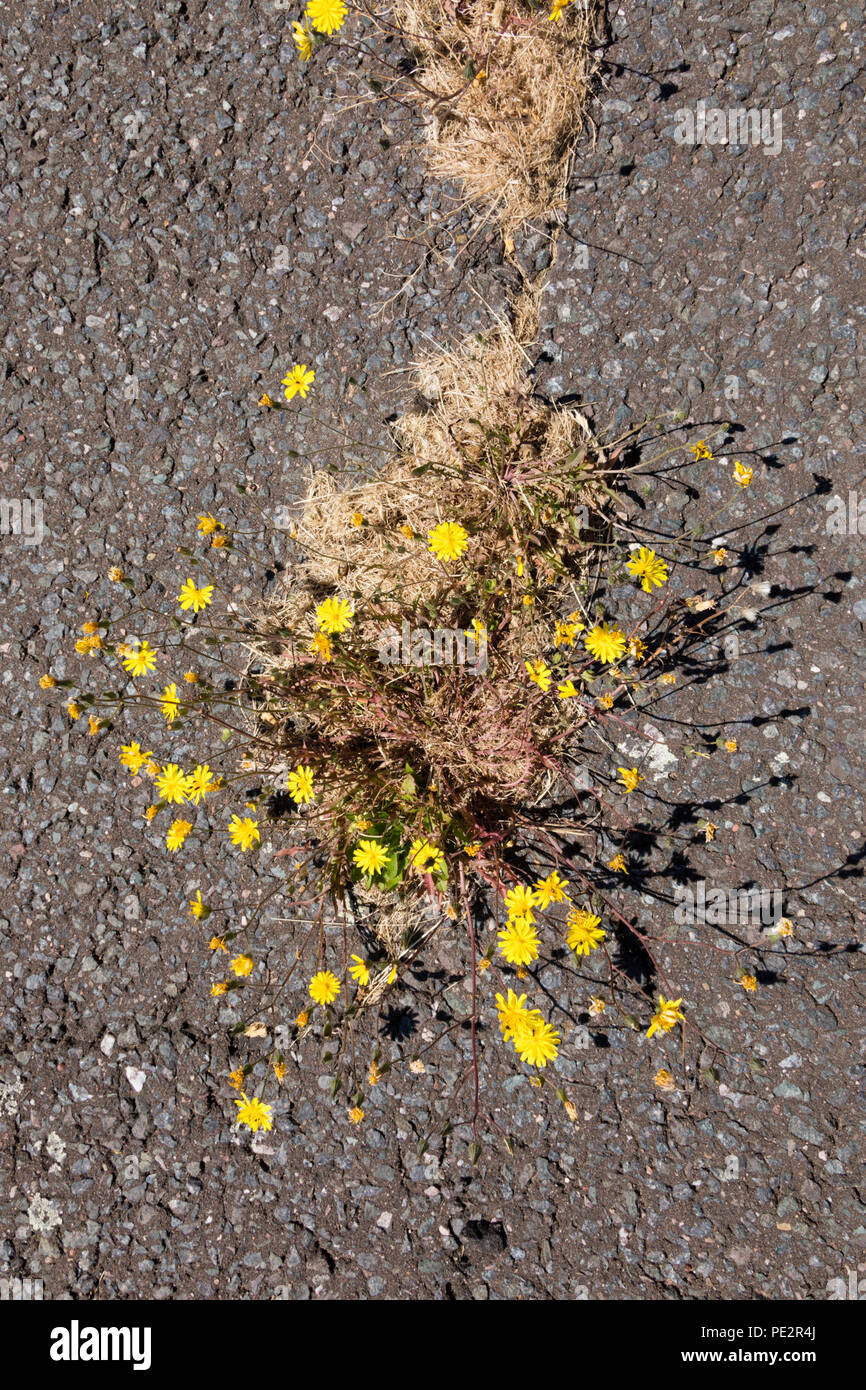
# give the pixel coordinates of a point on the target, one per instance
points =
(325, 17)
(426, 858)
(91, 642)
(518, 940)
(564, 633)
(536, 1042)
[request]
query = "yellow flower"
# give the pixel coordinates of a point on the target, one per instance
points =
(528, 600)
(375, 1075)
(426, 858)
(191, 596)
(512, 1013)
(177, 833)
(606, 701)
(629, 777)
(299, 380)
(357, 519)
(416, 1066)
(198, 909)
(710, 831)
(94, 724)
(584, 932)
(218, 943)
(265, 400)
(302, 1019)
(199, 782)
(597, 1006)
(784, 927)
(540, 673)
(254, 1114)
(171, 784)
(720, 555)
(132, 757)
(324, 987)
(116, 574)
(407, 531)
(47, 682)
(141, 660)
(169, 703)
(207, 524)
(551, 890)
(731, 745)
(448, 540)
(300, 784)
(749, 983)
(567, 690)
(220, 543)
(280, 1070)
(151, 812)
(242, 966)
(518, 942)
(304, 44)
(605, 643)
(520, 901)
(700, 450)
(664, 1080)
(86, 645)
(669, 678)
(472, 849)
(649, 568)
(321, 646)
(558, 10)
(618, 864)
(666, 1016)
(327, 16)
(360, 971)
(742, 476)
(334, 615)
(538, 1043)
(564, 633)
(244, 833)
(370, 857)
(636, 648)
(236, 1078)
(221, 987)
(356, 1114)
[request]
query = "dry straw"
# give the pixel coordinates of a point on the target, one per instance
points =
(512, 468)
(477, 391)
(509, 87)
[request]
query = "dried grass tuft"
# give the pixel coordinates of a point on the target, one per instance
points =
(475, 393)
(509, 90)
(480, 449)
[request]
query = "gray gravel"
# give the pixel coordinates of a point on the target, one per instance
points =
(187, 213)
